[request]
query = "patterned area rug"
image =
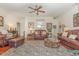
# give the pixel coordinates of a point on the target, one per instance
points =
(36, 48)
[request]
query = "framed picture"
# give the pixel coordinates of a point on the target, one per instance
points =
(54, 26)
(76, 20)
(1, 21)
(30, 24)
(49, 27)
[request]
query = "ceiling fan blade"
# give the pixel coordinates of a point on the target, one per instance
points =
(36, 6)
(41, 11)
(31, 11)
(39, 7)
(31, 8)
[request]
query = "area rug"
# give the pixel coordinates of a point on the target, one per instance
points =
(36, 48)
(4, 49)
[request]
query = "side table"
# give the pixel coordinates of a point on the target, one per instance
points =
(30, 37)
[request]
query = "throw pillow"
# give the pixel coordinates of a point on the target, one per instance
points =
(36, 33)
(72, 36)
(65, 34)
(44, 33)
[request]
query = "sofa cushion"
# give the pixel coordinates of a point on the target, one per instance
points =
(65, 34)
(72, 36)
(44, 33)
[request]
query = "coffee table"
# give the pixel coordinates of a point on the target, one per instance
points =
(51, 42)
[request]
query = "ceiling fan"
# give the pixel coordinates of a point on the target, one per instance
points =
(37, 9)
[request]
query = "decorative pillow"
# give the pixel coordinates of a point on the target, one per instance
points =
(72, 36)
(65, 34)
(36, 33)
(44, 33)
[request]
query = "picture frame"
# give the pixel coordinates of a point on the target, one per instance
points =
(49, 27)
(30, 24)
(54, 26)
(1, 20)
(76, 20)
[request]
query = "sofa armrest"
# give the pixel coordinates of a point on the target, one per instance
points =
(77, 38)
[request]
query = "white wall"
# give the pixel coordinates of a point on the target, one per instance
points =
(67, 18)
(11, 18)
(45, 19)
(8, 18)
(14, 17)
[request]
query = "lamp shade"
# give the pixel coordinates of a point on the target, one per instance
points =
(66, 29)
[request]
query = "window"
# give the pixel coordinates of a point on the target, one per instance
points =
(40, 25)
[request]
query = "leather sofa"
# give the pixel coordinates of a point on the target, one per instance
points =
(13, 41)
(71, 44)
(3, 42)
(16, 42)
(40, 34)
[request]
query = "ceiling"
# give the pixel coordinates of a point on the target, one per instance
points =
(52, 9)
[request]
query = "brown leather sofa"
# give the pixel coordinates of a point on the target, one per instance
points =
(16, 42)
(71, 44)
(13, 41)
(3, 42)
(40, 34)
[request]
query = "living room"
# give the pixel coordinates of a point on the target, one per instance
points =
(35, 28)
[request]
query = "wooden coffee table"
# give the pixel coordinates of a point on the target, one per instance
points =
(51, 43)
